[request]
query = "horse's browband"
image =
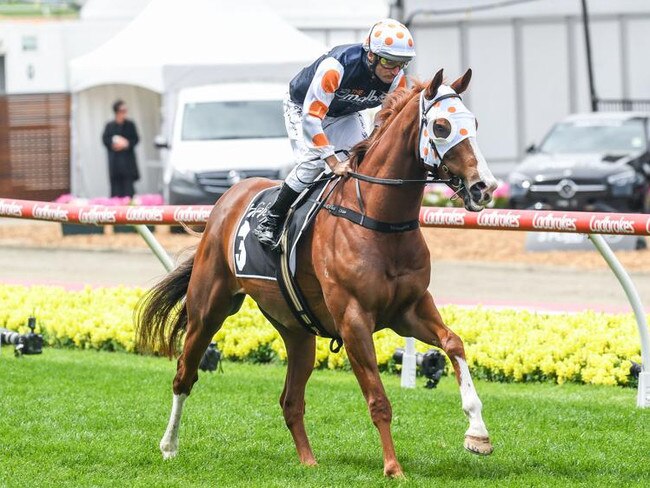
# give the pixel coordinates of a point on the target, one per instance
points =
(369, 223)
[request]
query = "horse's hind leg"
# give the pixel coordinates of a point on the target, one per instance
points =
(426, 324)
(301, 352)
(209, 301)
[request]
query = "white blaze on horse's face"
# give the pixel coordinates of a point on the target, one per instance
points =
(459, 125)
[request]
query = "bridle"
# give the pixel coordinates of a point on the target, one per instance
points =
(453, 182)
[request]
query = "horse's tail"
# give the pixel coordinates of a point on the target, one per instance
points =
(161, 314)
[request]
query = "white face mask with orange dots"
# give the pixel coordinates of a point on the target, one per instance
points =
(445, 123)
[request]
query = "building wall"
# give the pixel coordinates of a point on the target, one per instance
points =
(530, 69)
(34, 57)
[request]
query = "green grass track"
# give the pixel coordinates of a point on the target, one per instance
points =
(85, 418)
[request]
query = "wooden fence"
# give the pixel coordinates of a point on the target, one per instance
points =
(34, 146)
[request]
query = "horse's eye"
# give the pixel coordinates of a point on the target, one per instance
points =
(441, 128)
(476, 123)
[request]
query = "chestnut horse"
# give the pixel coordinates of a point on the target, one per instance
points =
(356, 280)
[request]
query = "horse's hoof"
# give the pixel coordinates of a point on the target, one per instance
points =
(393, 470)
(168, 451)
(169, 454)
(478, 445)
(309, 462)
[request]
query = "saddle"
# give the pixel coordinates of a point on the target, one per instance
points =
(253, 260)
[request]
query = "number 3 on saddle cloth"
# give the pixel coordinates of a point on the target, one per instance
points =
(252, 260)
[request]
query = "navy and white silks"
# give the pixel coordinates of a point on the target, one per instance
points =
(321, 110)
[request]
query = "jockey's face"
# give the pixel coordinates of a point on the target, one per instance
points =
(385, 73)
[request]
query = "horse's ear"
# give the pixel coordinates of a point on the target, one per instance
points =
(460, 85)
(432, 89)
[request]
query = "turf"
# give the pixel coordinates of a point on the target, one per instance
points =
(84, 418)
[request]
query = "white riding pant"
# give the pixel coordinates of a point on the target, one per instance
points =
(342, 132)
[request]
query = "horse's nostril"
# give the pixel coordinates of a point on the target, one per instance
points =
(480, 185)
(477, 191)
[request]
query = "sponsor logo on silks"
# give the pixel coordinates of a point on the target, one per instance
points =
(498, 219)
(607, 225)
(145, 214)
(442, 217)
(11, 209)
(551, 222)
(353, 96)
(47, 212)
(198, 215)
(97, 216)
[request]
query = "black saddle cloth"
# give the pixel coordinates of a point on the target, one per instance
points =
(252, 260)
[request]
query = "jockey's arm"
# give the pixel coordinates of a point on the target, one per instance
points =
(320, 94)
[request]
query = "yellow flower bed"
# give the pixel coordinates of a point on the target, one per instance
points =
(502, 345)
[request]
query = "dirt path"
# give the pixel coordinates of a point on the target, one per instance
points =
(463, 245)
(470, 267)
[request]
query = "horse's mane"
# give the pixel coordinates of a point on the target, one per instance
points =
(392, 105)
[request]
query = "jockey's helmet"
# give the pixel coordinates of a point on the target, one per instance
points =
(390, 39)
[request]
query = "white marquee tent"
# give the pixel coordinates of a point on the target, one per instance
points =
(168, 46)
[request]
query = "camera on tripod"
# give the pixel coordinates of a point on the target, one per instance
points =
(30, 343)
(431, 363)
(211, 360)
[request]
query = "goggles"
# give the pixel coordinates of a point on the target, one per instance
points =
(390, 64)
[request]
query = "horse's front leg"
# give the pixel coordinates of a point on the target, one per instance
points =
(425, 323)
(356, 327)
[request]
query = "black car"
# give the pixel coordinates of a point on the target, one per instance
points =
(592, 162)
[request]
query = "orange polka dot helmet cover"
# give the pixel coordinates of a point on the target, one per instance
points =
(390, 39)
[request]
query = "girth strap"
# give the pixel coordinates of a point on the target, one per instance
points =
(296, 301)
(370, 223)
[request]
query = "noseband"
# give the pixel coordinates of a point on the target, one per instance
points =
(454, 182)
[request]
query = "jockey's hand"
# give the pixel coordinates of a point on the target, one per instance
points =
(342, 168)
(339, 168)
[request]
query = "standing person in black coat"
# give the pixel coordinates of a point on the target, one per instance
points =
(120, 138)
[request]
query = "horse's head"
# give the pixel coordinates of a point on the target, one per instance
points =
(448, 140)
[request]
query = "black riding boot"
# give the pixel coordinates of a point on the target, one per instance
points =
(268, 227)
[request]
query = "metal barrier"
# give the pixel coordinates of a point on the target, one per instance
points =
(593, 224)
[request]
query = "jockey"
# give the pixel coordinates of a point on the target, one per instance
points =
(321, 110)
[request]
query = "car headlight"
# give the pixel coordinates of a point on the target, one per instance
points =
(622, 184)
(519, 184)
(520, 180)
(184, 174)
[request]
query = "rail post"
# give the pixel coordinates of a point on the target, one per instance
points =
(643, 393)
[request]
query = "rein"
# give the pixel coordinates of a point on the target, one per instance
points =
(455, 183)
(400, 181)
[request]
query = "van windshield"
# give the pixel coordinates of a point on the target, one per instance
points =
(248, 119)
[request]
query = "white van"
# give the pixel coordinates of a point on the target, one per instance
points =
(222, 134)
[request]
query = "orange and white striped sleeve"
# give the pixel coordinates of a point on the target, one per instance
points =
(398, 82)
(320, 94)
